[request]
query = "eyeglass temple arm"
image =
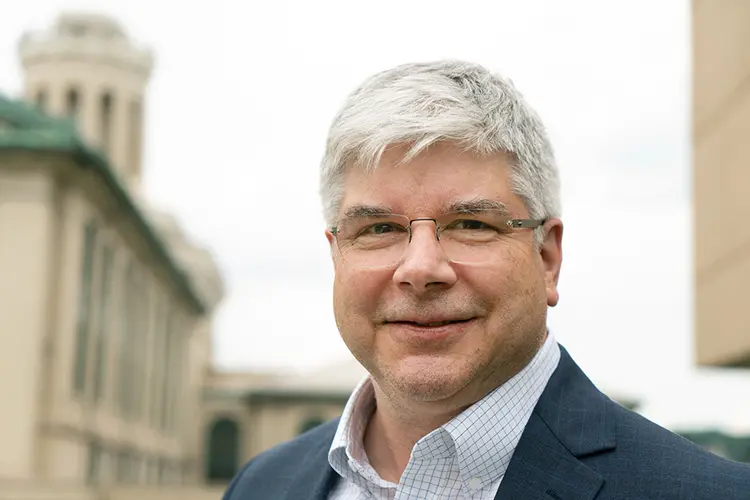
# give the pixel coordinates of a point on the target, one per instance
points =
(526, 223)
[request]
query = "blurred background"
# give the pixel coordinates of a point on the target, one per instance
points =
(160, 326)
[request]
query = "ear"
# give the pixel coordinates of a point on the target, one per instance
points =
(551, 254)
(331, 243)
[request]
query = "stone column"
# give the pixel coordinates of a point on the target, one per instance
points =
(26, 241)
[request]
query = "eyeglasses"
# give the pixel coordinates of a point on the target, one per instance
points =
(476, 237)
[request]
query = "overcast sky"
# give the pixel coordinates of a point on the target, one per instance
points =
(238, 110)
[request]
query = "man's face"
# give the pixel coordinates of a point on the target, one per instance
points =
(382, 313)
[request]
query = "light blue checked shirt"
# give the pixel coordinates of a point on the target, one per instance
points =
(464, 459)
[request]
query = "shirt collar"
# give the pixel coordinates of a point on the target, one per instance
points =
(347, 454)
(481, 455)
(486, 434)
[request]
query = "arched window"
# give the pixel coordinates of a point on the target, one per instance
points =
(223, 450)
(310, 423)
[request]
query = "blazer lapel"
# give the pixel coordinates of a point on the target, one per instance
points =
(316, 479)
(542, 469)
(571, 420)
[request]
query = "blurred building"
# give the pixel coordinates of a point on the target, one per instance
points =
(105, 307)
(721, 201)
(248, 413)
(721, 152)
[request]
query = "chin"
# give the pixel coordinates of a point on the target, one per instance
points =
(429, 379)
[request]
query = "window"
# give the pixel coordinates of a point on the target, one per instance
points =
(135, 120)
(136, 468)
(104, 323)
(310, 423)
(127, 352)
(105, 122)
(72, 104)
(139, 334)
(176, 376)
(83, 324)
(107, 467)
(93, 475)
(136, 334)
(223, 450)
(162, 471)
(157, 373)
(123, 462)
(153, 471)
(169, 354)
(76, 30)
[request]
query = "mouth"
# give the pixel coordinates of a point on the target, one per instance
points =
(428, 332)
(431, 324)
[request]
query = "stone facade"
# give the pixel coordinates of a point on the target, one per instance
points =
(106, 307)
(721, 119)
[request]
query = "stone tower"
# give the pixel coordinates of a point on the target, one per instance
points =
(86, 67)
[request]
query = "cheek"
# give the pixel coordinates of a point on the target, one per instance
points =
(356, 295)
(355, 303)
(510, 289)
(499, 282)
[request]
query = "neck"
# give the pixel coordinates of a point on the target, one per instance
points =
(394, 429)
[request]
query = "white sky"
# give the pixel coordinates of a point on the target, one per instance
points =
(238, 110)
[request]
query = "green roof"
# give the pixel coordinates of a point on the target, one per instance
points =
(24, 127)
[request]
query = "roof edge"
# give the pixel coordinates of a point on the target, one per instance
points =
(39, 132)
(94, 158)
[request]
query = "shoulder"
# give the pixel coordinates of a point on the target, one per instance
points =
(270, 472)
(649, 456)
(636, 457)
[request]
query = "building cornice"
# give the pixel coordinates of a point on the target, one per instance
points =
(24, 128)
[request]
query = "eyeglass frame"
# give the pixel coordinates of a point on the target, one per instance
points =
(512, 223)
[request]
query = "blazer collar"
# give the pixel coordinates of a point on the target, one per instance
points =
(571, 420)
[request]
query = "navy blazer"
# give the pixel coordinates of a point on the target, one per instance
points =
(577, 445)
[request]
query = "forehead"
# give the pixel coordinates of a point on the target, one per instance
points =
(431, 182)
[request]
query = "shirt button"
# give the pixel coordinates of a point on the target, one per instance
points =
(475, 483)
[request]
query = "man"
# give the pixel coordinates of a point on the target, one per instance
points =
(441, 195)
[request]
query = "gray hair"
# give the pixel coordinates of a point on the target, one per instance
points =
(445, 101)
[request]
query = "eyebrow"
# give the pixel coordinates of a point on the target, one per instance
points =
(478, 205)
(462, 206)
(359, 211)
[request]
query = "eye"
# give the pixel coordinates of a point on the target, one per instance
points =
(469, 224)
(381, 228)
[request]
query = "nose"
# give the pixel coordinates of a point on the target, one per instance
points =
(424, 267)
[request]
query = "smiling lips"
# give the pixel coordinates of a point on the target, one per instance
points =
(423, 332)
(430, 324)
